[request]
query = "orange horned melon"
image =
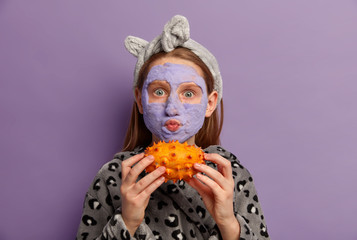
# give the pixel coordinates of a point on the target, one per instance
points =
(178, 158)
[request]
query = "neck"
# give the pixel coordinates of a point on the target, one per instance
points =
(190, 141)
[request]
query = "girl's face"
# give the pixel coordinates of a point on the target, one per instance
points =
(174, 100)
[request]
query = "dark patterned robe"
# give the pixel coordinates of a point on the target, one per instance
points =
(175, 211)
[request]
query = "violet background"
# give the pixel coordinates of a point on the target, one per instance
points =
(289, 70)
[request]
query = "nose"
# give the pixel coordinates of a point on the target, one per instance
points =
(171, 108)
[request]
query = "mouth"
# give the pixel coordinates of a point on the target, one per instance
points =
(172, 125)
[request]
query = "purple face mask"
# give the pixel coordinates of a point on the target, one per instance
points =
(160, 118)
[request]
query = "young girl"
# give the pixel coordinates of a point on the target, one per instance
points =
(177, 86)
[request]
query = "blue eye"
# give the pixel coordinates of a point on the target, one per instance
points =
(188, 94)
(159, 92)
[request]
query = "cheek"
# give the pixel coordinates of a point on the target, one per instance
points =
(195, 112)
(154, 109)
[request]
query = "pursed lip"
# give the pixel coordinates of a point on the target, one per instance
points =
(172, 125)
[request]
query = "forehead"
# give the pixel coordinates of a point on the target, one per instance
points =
(174, 74)
(175, 60)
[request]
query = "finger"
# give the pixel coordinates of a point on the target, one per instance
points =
(201, 188)
(152, 187)
(213, 186)
(135, 171)
(212, 173)
(223, 165)
(148, 179)
(126, 164)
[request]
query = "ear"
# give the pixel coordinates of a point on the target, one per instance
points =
(135, 45)
(138, 100)
(212, 103)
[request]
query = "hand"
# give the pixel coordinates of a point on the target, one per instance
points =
(136, 194)
(217, 192)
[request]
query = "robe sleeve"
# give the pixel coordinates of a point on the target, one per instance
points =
(101, 219)
(248, 210)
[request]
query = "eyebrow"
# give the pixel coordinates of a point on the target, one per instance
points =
(159, 83)
(190, 84)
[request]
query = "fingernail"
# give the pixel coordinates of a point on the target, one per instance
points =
(151, 157)
(197, 165)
